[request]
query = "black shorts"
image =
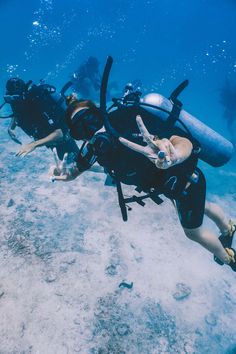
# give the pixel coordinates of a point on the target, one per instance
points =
(191, 206)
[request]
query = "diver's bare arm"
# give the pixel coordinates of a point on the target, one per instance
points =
(11, 131)
(55, 136)
(182, 147)
(73, 174)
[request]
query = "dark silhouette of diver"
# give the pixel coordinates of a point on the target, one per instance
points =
(39, 111)
(228, 100)
(86, 79)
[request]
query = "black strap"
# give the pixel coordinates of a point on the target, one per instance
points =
(174, 115)
(3, 104)
(178, 90)
(103, 93)
(177, 104)
(121, 199)
(65, 88)
(5, 117)
(153, 194)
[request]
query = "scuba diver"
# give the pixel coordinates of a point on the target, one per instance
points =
(228, 100)
(39, 111)
(87, 79)
(159, 157)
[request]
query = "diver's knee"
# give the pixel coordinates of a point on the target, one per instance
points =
(193, 234)
(209, 206)
(212, 208)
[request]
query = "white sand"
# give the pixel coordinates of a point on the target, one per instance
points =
(64, 250)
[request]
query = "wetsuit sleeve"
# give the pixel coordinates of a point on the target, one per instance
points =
(86, 158)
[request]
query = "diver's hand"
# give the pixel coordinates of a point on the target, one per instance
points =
(26, 149)
(13, 136)
(62, 171)
(159, 151)
(64, 178)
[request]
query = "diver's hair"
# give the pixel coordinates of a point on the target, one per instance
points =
(79, 104)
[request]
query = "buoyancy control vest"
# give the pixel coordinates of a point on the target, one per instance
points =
(162, 117)
(40, 111)
(132, 168)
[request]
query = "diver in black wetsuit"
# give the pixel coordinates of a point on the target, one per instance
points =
(40, 116)
(165, 164)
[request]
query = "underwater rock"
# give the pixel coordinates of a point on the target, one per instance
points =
(41, 253)
(120, 329)
(188, 348)
(98, 351)
(1, 292)
(77, 321)
(158, 321)
(22, 329)
(34, 210)
(64, 268)
(126, 285)
(111, 270)
(199, 332)
(183, 291)
(10, 203)
(211, 319)
(19, 244)
(70, 261)
(123, 329)
(50, 278)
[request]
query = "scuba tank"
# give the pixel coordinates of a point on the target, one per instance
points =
(55, 100)
(214, 148)
(49, 101)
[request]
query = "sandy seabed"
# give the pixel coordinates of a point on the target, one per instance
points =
(64, 250)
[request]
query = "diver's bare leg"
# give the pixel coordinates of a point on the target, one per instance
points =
(216, 214)
(208, 240)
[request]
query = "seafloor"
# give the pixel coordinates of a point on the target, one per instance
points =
(64, 250)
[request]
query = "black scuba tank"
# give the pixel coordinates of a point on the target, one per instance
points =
(50, 102)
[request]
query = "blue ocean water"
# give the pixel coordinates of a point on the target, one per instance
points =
(64, 249)
(160, 42)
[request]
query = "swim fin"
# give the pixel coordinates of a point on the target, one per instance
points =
(227, 240)
(232, 254)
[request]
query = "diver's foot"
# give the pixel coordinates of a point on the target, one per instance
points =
(226, 240)
(232, 255)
